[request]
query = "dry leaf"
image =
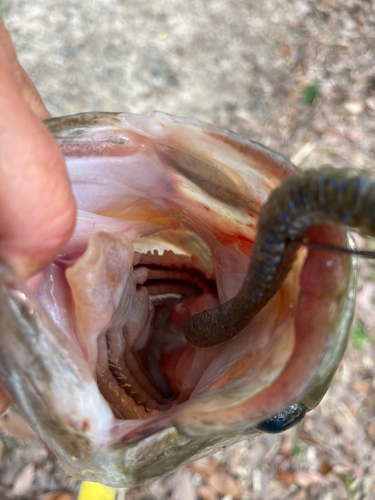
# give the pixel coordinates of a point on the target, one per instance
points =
(1, 450)
(307, 438)
(370, 429)
(24, 480)
(324, 467)
(306, 478)
(285, 477)
(15, 426)
(285, 50)
(225, 484)
(204, 466)
(286, 447)
(207, 492)
(56, 495)
(370, 103)
(363, 387)
(300, 495)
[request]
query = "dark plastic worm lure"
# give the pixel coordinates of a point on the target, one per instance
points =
(343, 196)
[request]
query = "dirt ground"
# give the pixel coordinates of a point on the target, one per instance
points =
(298, 76)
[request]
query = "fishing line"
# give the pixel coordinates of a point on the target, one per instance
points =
(367, 254)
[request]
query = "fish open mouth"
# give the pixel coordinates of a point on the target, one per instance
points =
(127, 303)
(167, 220)
(166, 225)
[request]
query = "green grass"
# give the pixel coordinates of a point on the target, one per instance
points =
(297, 450)
(310, 93)
(360, 337)
(348, 481)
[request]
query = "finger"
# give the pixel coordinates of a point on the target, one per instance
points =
(37, 209)
(25, 85)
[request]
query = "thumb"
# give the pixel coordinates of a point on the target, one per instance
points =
(37, 208)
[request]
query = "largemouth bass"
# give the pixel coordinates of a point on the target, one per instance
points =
(99, 362)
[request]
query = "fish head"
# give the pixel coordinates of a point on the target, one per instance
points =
(167, 219)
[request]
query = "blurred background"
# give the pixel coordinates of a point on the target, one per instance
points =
(296, 75)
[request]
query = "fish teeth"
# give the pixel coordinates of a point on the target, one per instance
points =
(170, 258)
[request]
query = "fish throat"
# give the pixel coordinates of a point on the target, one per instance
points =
(141, 368)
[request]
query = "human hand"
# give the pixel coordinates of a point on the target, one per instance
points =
(37, 208)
